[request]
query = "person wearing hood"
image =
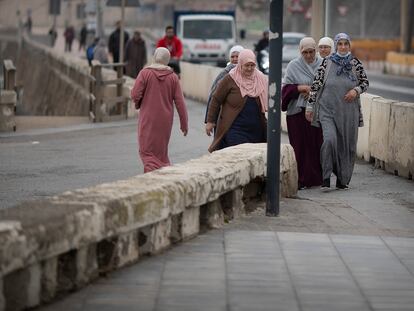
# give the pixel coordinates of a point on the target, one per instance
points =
(334, 105)
(238, 105)
(156, 90)
(305, 139)
(135, 55)
(233, 59)
(325, 47)
(100, 52)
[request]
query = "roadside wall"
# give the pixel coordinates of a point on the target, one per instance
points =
(386, 139)
(54, 246)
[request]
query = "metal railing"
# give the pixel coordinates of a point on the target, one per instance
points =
(104, 108)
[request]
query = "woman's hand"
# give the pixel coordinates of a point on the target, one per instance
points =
(209, 128)
(303, 88)
(185, 132)
(309, 115)
(350, 96)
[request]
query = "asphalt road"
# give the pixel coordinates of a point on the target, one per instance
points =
(47, 162)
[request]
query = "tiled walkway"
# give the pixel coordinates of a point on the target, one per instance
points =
(259, 270)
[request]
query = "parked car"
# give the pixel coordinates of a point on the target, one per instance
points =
(291, 45)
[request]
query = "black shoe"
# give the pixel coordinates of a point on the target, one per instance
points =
(326, 184)
(340, 186)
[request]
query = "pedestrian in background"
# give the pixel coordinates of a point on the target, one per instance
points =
(261, 45)
(334, 104)
(325, 47)
(171, 42)
(69, 35)
(239, 104)
(157, 89)
(91, 50)
(100, 52)
(52, 36)
(114, 41)
(233, 59)
(135, 55)
(82, 37)
(305, 139)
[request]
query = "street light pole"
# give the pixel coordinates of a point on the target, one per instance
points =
(273, 124)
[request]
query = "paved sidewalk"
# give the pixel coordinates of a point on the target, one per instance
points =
(259, 270)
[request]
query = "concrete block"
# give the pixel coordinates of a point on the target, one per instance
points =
(2, 300)
(66, 272)
(154, 238)
(176, 228)
(21, 288)
(378, 130)
(161, 235)
(401, 142)
(363, 147)
(86, 265)
(127, 249)
(49, 279)
(7, 104)
(191, 222)
(211, 215)
(288, 172)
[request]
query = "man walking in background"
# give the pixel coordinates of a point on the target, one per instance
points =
(174, 45)
(113, 44)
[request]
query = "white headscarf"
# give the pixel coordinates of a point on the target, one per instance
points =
(161, 59)
(327, 41)
(236, 48)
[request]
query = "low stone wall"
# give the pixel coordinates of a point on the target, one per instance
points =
(57, 245)
(400, 64)
(387, 137)
(7, 104)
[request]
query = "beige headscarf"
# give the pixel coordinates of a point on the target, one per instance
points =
(306, 44)
(256, 85)
(327, 41)
(161, 59)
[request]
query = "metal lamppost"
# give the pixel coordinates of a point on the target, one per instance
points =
(273, 125)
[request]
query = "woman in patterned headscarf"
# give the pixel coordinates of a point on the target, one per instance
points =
(334, 104)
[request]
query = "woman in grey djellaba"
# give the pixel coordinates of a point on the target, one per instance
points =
(334, 104)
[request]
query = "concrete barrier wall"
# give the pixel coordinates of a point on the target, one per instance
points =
(387, 137)
(54, 83)
(54, 246)
(400, 64)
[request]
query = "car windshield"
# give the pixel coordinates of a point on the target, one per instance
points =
(291, 40)
(207, 29)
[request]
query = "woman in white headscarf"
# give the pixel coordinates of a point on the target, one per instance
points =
(156, 91)
(305, 139)
(233, 59)
(325, 47)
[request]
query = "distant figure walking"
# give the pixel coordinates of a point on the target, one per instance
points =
(100, 52)
(334, 104)
(82, 37)
(114, 41)
(135, 55)
(69, 35)
(238, 105)
(175, 46)
(157, 89)
(52, 36)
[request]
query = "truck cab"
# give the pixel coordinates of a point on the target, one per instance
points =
(206, 38)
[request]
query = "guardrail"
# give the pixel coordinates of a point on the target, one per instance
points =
(104, 108)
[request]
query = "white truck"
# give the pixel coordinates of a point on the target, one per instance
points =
(207, 37)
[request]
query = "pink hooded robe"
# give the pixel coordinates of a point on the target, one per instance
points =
(156, 90)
